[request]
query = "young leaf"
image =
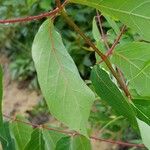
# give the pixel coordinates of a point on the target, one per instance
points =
(145, 130)
(69, 99)
(73, 143)
(109, 92)
(135, 14)
(51, 138)
(21, 134)
(36, 142)
(134, 60)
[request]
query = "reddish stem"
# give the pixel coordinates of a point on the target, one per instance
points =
(101, 29)
(110, 51)
(36, 125)
(73, 133)
(118, 142)
(30, 18)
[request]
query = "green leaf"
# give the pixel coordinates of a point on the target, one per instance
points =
(31, 2)
(113, 24)
(36, 142)
(145, 130)
(46, 4)
(134, 60)
(81, 142)
(5, 139)
(95, 31)
(21, 134)
(73, 143)
(51, 138)
(142, 101)
(69, 99)
(63, 144)
(133, 13)
(109, 92)
(142, 108)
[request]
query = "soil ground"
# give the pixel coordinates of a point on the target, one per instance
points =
(15, 99)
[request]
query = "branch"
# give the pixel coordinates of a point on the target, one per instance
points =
(36, 125)
(74, 133)
(38, 17)
(110, 51)
(117, 142)
(101, 29)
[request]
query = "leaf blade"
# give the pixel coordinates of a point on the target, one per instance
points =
(144, 129)
(135, 14)
(142, 107)
(21, 134)
(51, 138)
(5, 138)
(133, 59)
(73, 143)
(36, 142)
(109, 92)
(67, 96)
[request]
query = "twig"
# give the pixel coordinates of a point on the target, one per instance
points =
(30, 18)
(101, 29)
(118, 142)
(74, 133)
(36, 125)
(110, 51)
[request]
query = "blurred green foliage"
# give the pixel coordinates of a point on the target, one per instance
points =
(16, 39)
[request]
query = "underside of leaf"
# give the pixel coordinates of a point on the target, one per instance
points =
(69, 99)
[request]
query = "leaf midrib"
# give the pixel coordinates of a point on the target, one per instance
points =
(62, 70)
